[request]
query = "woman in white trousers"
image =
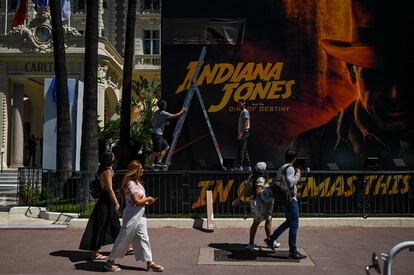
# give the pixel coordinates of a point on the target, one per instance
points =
(134, 227)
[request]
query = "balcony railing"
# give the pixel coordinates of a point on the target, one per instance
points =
(148, 61)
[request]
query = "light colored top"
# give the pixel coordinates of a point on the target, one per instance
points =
(132, 188)
(243, 114)
(291, 176)
(158, 121)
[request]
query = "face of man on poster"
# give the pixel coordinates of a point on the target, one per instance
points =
(379, 123)
(379, 60)
(386, 97)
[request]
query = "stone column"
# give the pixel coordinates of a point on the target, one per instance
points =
(100, 18)
(17, 142)
(101, 104)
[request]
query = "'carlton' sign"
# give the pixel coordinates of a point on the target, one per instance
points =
(39, 67)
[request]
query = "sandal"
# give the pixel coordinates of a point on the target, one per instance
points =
(155, 267)
(99, 257)
(111, 266)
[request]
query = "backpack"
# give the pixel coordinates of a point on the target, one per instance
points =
(282, 193)
(95, 188)
(253, 181)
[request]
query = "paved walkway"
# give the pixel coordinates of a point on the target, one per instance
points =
(8, 220)
(331, 250)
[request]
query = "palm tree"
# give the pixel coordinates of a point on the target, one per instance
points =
(89, 147)
(63, 132)
(124, 133)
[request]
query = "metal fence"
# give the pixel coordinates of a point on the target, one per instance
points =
(183, 193)
(63, 191)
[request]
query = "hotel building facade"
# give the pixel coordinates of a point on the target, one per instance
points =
(26, 62)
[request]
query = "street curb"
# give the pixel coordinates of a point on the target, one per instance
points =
(73, 221)
(54, 216)
(41, 212)
(31, 211)
(246, 223)
(33, 226)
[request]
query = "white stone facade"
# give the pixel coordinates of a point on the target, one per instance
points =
(26, 59)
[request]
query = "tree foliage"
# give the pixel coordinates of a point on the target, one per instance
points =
(143, 103)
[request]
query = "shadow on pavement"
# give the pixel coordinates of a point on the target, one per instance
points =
(99, 267)
(84, 262)
(239, 252)
(75, 255)
(82, 259)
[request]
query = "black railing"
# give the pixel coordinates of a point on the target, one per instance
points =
(183, 193)
(63, 191)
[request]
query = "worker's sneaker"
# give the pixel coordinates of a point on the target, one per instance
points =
(269, 243)
(276, 244)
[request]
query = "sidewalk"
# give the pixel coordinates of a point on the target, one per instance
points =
(333, 246)
(10, 220)
(339, 251)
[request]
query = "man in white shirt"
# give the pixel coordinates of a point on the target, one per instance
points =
(243, 159)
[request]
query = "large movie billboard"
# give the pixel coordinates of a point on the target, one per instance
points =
(329, 79)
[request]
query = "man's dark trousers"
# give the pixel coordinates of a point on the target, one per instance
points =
(243, 158)
(291, 222)
(31, 158)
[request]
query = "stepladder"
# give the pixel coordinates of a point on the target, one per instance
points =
(187, 102)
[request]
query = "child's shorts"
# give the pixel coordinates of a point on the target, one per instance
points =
(261, 210)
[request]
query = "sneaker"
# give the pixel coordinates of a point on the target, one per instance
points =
(252, 247)
(276, 244)
(247, 168)
(297, 256)
(269, 244)
(237, 168)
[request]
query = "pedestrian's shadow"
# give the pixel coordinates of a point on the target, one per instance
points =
(83, 260)
(239, 252)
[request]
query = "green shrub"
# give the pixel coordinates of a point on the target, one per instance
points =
(29, 193)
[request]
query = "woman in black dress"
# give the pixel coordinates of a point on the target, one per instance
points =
(103, 225)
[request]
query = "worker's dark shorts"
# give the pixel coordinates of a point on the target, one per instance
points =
(158, 143)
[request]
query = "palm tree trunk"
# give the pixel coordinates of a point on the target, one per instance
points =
(89, 147)
(124, 134)
(63, 131)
